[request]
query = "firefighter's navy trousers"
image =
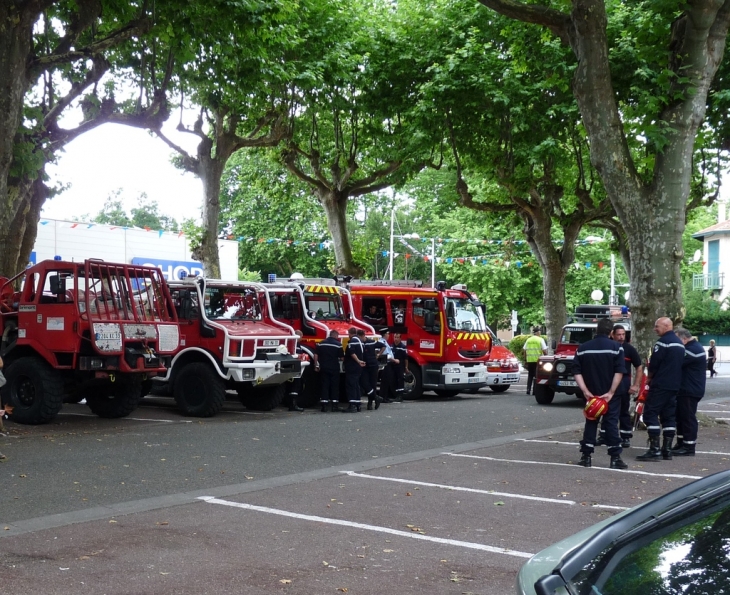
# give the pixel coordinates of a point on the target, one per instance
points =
(610, 424)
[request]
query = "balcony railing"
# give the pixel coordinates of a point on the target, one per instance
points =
(709, 281)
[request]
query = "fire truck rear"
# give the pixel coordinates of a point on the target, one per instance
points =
(554, 373)
(228, 341)
(83, 330)
(444, 329)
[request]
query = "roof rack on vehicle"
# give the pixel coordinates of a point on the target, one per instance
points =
(388, 282)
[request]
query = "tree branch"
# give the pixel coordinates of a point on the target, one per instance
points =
(558, 22)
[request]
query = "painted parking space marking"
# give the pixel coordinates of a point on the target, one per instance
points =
(699, 452)
(476, 491)
(375, 528)
(677, 475)
(461, 489)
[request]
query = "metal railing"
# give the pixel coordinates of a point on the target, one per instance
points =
(709, 281)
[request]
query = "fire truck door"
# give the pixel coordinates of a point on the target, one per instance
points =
(52, 319)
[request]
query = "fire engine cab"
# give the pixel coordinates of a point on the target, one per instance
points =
(444, 329)
(554, 373)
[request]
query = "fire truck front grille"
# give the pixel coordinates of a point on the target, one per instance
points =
(472, 353)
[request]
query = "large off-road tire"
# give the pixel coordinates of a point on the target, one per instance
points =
(413, 389)
(262, 398)
(500, 388)
(34, 390)
(114, 399)
(544, 394)
(446, 393)
(199, 391)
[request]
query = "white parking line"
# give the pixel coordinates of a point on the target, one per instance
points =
(460, 489)
(167, 421)
(412, 535)
(453, 454)
(712, 411)
(473, 490)
(699, 452)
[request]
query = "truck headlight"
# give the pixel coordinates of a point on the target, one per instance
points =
(452, 370)
(561, 367)
(547, 366)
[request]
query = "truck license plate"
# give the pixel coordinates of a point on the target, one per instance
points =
(271, 343)
(567, 383)
(474, 380)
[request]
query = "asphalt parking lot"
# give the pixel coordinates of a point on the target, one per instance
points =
(456, 519)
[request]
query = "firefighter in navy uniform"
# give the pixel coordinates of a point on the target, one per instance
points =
(354, 364)
(369, 376)
(327, 363)
(692, 389)
(625, 389)
(400, 365)
(599, 368)
(664, 377)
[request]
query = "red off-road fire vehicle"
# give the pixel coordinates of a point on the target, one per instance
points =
(89, 330)
(228, 340)
(315, 306)
(554, 371)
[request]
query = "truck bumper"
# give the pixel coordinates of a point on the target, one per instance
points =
(456, 376)
(502, 378)
(268, 372)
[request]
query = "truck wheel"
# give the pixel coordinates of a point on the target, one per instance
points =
(500, 388)
(414, 387)
(262, 398)
(114, 399)
(34, 390)
(446, 393)
(544, 395)
(198, 390)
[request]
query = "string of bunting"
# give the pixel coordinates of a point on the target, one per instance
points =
(497, 258)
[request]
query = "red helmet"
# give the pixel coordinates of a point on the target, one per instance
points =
(595, 408)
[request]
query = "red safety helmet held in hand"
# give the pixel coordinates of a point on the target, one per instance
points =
(595, 408)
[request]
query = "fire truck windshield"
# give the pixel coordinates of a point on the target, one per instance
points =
(231, 303)
(577, 334)
(325, 306)
(462, 315)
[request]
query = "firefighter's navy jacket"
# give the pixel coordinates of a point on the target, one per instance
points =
(353, 346)
(632, 359)
(400, 352)
(665, 365)
(371, 349)
(694, 371)
(598, 360)
(329, 354)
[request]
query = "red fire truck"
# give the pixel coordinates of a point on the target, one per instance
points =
(554, 373)
(314, 306)
(445, 330)
(75, 330)
(229, 340)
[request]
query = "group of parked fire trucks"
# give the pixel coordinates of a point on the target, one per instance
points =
(110, 333)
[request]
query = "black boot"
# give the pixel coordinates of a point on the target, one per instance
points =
(335, 407)
(667, 448)
(626, 443)
(323, 409)
(654, 453)
(378, 400)
(293, 405)
(679, 445)
(585, 460)
(601, 440)
(370, 405)
(617, 463)
(687, 450)
(351, 409)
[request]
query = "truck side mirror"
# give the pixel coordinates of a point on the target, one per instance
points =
(430, 304)
(429, 319)
(58, 284)
(553, 344)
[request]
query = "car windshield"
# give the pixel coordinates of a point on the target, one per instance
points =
(231, 303)
(577, 334)
(462, 315)
(325, 306)
(687, 553)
